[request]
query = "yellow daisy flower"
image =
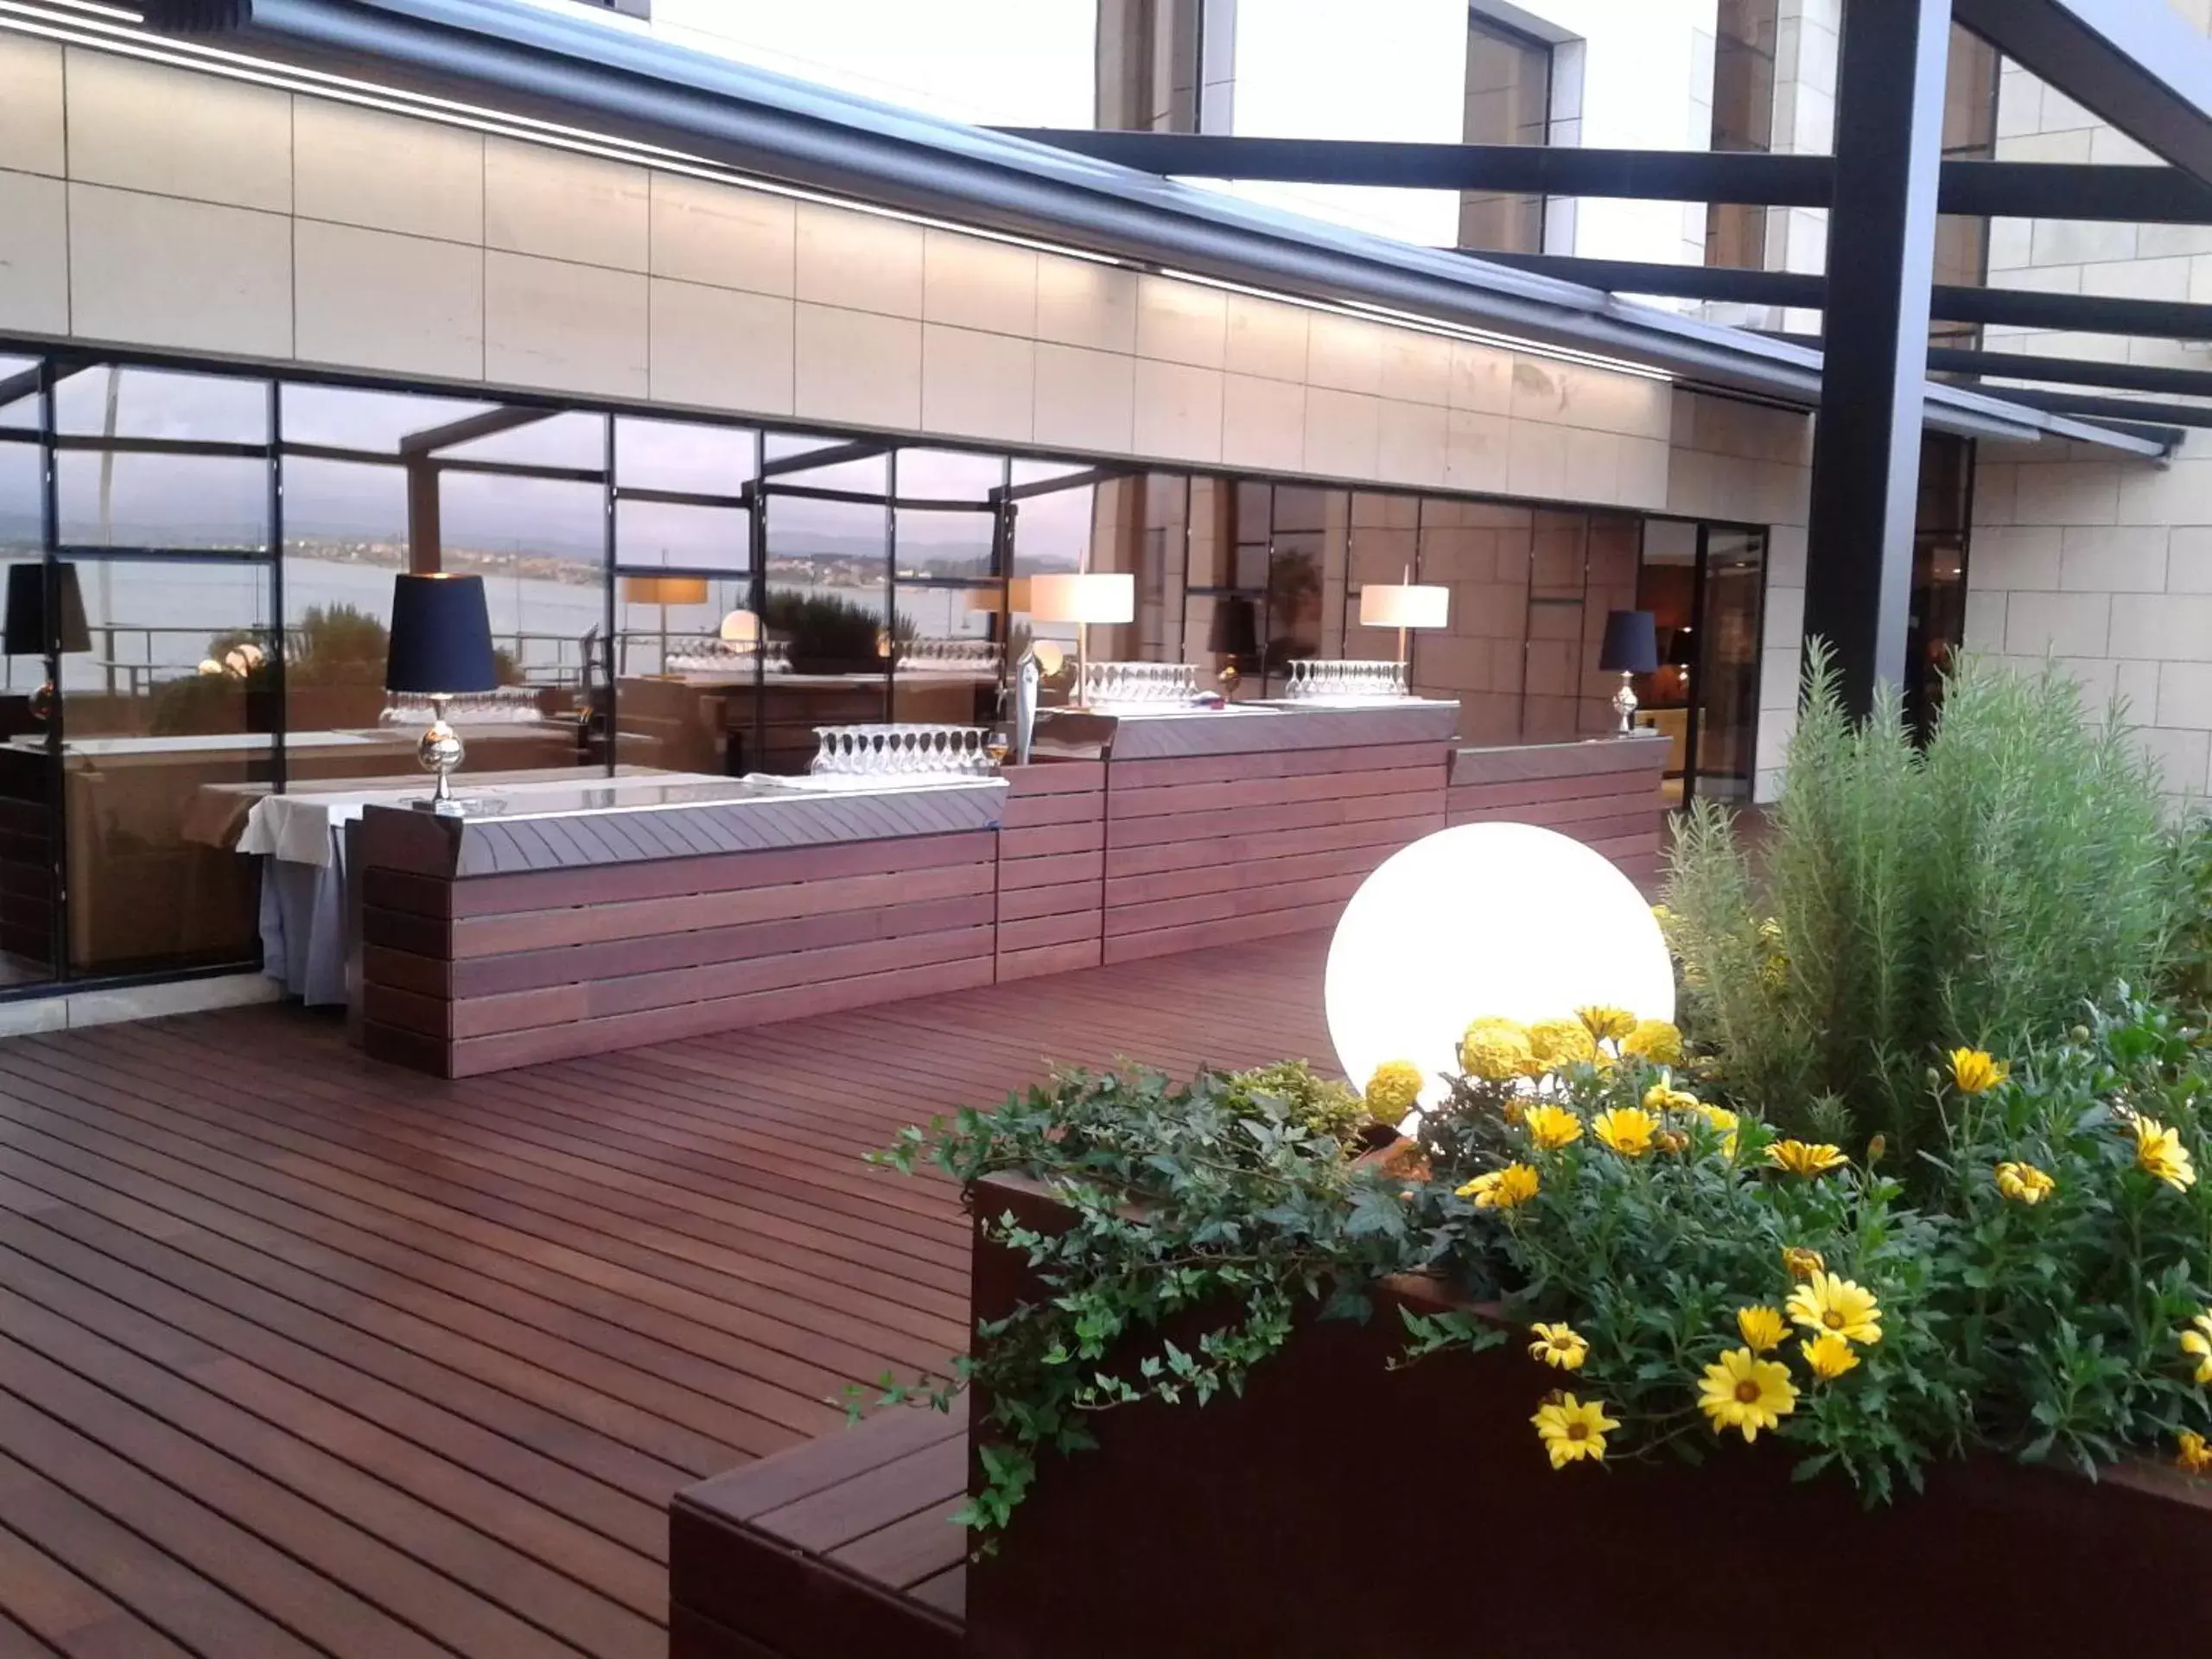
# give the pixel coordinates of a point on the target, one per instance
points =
(1503, 1189)
(1655, 1040)
(1392, 1090)
(1761, 1326)
(1828, 1354)
(1664, 1097)
(1742, 1391)
(2158, 1152)
(2194, 1455)
(2024, 1183)
(1828, 1302)
(1572, 1430)
(1607, 1025)
(1802, 1264)
(1627, 1130)
(1561, 1042)
(2198, 1341)
(1721, 1118)
(1974, 1073)
(1805, 1158)
(1559, 1345)
(1494, 1050)
(1551, 1126)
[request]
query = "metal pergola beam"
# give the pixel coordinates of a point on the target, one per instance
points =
(2133, 63)
(2071, 371)
(468, 428)
(2013, 189)
(2114, 409)
(2083, 314)
(1881, 260)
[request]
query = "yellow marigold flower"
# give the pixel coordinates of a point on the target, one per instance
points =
(1974, 1073)
(1828, 1301)
(1561, 1042)
(1742, 1391)
(1559, 1345)
(1668, 1140)
(2193, 1455)
(2024, 1183)
(1721, 1118)
(1572, 1430)
(1830, 1355)
(1496, 1051)
(1655, 1040)
(1392, 1090)
(1761, 1326)
(1804, 1158)
(1503, 1189)
(1627, 1130)
(1551, 1126)
(1664, 1097)
(2198, 1341)
(2158, 1152)
(1802, 1264)
(1606, 1025)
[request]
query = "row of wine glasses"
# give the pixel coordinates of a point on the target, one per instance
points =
(903, 750)
(1140, 683)
(511, 705)
(1323, 680)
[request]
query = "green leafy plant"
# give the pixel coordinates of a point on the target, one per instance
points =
(1204, 1219)
(1980, 890)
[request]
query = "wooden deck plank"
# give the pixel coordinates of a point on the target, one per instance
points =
(302, 1354)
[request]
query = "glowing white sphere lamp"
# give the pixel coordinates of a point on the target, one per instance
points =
(740, 627)
(1486, 919)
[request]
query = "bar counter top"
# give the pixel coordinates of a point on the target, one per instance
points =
(1167, 734)
(630, 820)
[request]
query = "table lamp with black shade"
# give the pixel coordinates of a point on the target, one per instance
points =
(440, 649)
(1631, 647)
(36, 592)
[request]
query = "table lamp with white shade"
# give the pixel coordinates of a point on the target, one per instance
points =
(1404, 606)
(1082, 598)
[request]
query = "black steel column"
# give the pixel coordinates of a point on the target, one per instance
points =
(1888, 144)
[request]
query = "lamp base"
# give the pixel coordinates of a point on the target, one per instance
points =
(1624, 706)
(441, 751)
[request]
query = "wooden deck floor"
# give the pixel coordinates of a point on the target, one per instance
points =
(299, 1354)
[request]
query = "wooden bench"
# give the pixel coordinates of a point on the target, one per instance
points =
(841, 1549)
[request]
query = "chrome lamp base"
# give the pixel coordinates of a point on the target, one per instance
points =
(441, 751)
(1624, 706)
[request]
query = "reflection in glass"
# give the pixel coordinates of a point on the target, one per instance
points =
(211, 503)
(860, 467)
(956, 542)
(945, 665)
(19, 401)
(540, 545)
(828, 606)
(172, 709)
(688, 658)
(681, 536)
(677, 455)
(116, 402)
(344, 418)
(948, 475)
(1726, 679)
(569, 440)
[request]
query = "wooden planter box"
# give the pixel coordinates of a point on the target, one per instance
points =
(1341, 1510)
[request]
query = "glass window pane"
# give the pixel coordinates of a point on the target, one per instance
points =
(117, 401)
(948, 475)
(18, 411)
(175, 699)
(947, 660)
(211, 503)
(672, 533)
(571, 440)
(675, 455)
(22, 513)
(344, 417)
(829, 611)
(828, 464)
(539, 544)
(1508, 102)
(687, 658)
(930, 542)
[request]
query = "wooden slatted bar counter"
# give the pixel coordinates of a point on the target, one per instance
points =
(1604, 792)
(630, 916)
(647, 909)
